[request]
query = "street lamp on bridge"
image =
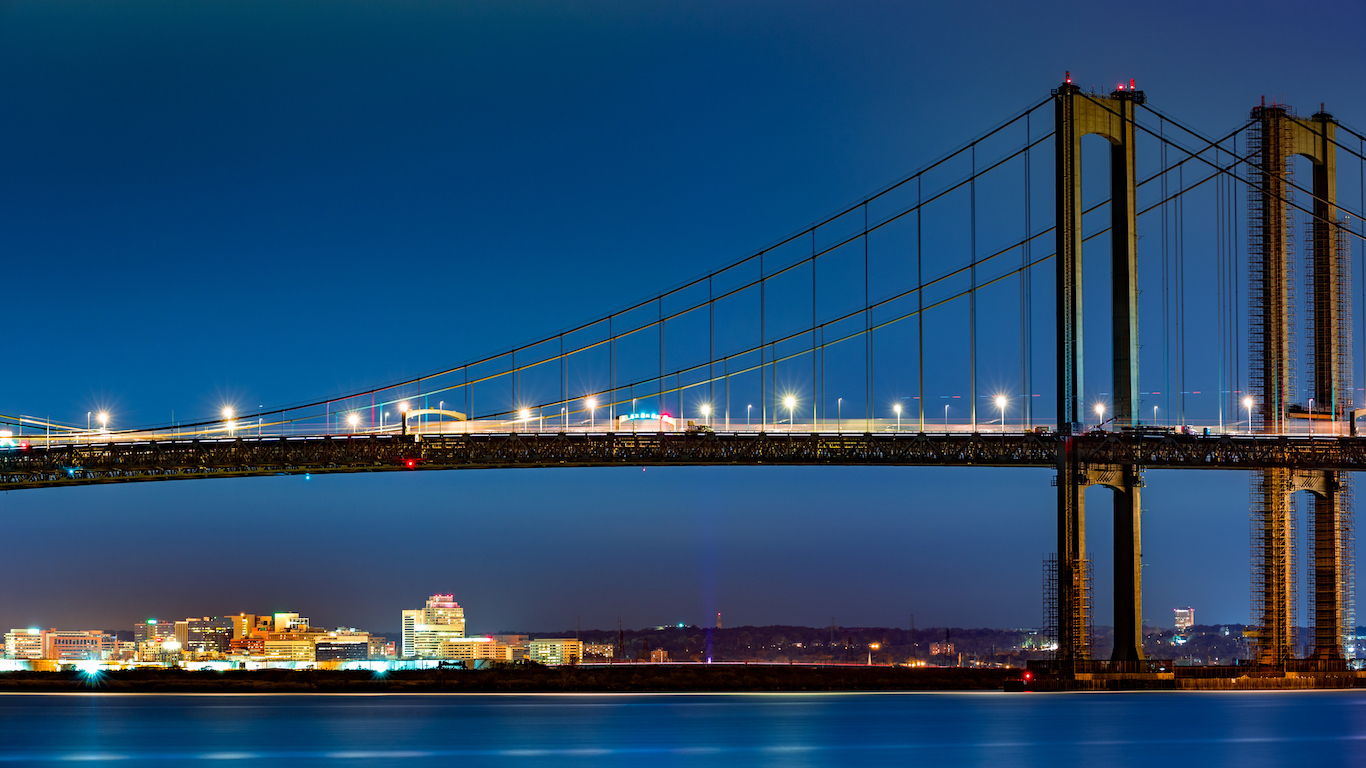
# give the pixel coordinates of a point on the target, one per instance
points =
(232, 425)
(1001, 405)
(706, 413)
(897, 409)
(1247, 403)
(592, 404)
(790, 402)
(1100, 415)
(352, 421)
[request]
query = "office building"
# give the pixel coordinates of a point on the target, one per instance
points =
(152, 630)
(1185, 618)
(24, 644)
(328, 650)
(425, 629)
(556, 651)
(208, 635)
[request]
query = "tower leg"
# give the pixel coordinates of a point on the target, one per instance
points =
(1128, 576)
(1328, 573)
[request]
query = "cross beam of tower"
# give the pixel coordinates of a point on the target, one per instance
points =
(1078, 115)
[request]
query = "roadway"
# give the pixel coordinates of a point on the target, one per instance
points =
(141, 460)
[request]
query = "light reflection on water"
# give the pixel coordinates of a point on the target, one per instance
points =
(1133, 729)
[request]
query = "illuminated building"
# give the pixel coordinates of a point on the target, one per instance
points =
(556, 651)
(290, 622)
(1185, 618)
(469, 648)
(247, 624)
(24, 644)
(659, 656)
(251, 645)
(333, 650)
(599, 650)
(65, 644)
(425, 629)
(151, 630)
(380, 648)
(945, 649)
(211, 635)
(289, 650)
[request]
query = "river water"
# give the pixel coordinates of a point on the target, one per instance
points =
(1104, 729)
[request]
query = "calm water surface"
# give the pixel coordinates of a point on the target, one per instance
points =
(1136, 729)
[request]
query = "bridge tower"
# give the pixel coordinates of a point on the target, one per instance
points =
(1274, 137)
(1077, 115)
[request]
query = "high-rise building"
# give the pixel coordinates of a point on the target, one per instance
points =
(425, 629)
(1185, 618)
(209, 635)
(151, 629)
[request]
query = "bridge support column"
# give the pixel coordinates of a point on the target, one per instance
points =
(1128, 582)
(1276, 135)
(1078, 115)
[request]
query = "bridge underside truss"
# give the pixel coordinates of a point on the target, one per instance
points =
(59, 466)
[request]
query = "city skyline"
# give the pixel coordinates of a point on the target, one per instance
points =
(184, 174)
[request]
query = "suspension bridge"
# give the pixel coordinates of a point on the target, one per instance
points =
(874, 337)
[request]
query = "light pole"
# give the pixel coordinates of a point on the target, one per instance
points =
(839, 408)
(1100, 415)
(1154, 415)
(872, 648)
(897, 409)
(227, 416)
(946, 417)
(564, 417)
(706, 413)
(1001, 404)
(352, 421)
(1247, 403)
(749, 410)
(790, 402)
(525, 416)
(592, 404)
(1311, 417)
(403, 409)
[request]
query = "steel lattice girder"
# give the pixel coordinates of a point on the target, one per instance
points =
(40, 467)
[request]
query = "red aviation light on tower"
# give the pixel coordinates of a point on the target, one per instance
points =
(1131, 84)
(1069, 77)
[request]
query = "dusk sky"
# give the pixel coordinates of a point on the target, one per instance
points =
(267, 203)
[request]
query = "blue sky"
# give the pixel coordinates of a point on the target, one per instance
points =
(262, 203)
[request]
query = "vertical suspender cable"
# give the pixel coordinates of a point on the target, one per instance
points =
(972, 294)
(816, 393)
(1180, 228)
(1219, 278)
(1166, 282)
(867, 329)
(711, 345)
(1025, 303)
(663, 383)
(611, 376)
(919, 301)
(763, 351)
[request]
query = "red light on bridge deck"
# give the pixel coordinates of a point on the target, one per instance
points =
(1029, 675)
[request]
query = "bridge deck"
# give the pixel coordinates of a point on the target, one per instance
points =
(85, 464)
